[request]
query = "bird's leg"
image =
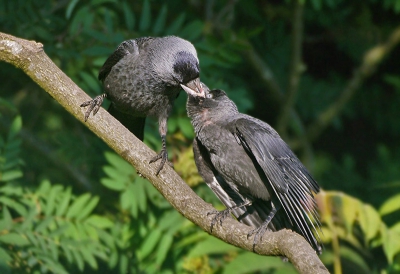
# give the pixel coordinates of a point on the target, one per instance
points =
(221, 215)
(163, 155)
(94, 105)
(259, 232)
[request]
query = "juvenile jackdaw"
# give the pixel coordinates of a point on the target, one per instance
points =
(142, 77)
(251, 169)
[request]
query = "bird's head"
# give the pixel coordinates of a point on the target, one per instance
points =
(187, 72)
(216, 101)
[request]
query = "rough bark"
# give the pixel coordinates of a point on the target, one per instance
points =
(30, 57)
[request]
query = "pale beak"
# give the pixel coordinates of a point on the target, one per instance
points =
(194, 88)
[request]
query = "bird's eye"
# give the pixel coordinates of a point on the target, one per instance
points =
(209, 95)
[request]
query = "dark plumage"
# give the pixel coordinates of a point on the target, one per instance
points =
(142, 77)
(251, 169)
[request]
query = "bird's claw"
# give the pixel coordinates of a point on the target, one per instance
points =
(94, 105)
(220, 216)
(259, 232)
(163, 155)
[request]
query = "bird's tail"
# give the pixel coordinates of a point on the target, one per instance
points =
(132, 123)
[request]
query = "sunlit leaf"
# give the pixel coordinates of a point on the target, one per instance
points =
(15, 127)
(390, 205)
(248, 262)
(163, 248)
(370, 221)
(78, 205)
(211, 246)
(63, 205)
(149, 243)
(14, 239)
(99, 221)
(391, 240)
(113, 184)
(89, 207)
(6, 222)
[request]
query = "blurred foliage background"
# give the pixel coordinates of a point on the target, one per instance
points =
(325, 73)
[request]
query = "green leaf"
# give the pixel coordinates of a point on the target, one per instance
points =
(145, 18)
(90, 81)
(390, 205)
(60, 230)
(14, 239)
(113, 173)
(129, 16)
(123, 264)
(62, 207)
(6, 223)
(391, 240)
(176, 25)
(78, 205)
(99, 221)
(51, 201)
(87, 255)
(15, 127)
(348, 210)
(14, 205)
(88, 208)
(163, 248)
(370, 221)
(43, 224)
(193, 30)
(138, 193)
(5, 260)
(11, 175)
(119, 164)
(354, 257)
(211, 246)
(248, 262)
(160, 22)
(149, 243)
(79, 260)
(113, 260)
(70, 8)
(186, 127)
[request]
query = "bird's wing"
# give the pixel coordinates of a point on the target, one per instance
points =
(125, 48)
(289, 178)
(228, 196)
(277, 160)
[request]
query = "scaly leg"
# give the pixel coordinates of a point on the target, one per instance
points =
(221, 215)
(259, 232)
(94, 105)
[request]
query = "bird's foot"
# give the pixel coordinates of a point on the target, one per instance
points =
(163, 155)
(94, 105)
(259, 232)
(220, 216)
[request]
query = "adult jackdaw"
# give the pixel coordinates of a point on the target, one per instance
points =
(142, 77)
(252, 170)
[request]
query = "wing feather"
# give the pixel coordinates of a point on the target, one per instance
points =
(288, 177)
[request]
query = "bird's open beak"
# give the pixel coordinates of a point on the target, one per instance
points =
(194, 88)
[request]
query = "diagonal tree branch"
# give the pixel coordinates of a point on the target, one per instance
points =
(296, 67)
(372, 59)
(30, 57)
(267, 77)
